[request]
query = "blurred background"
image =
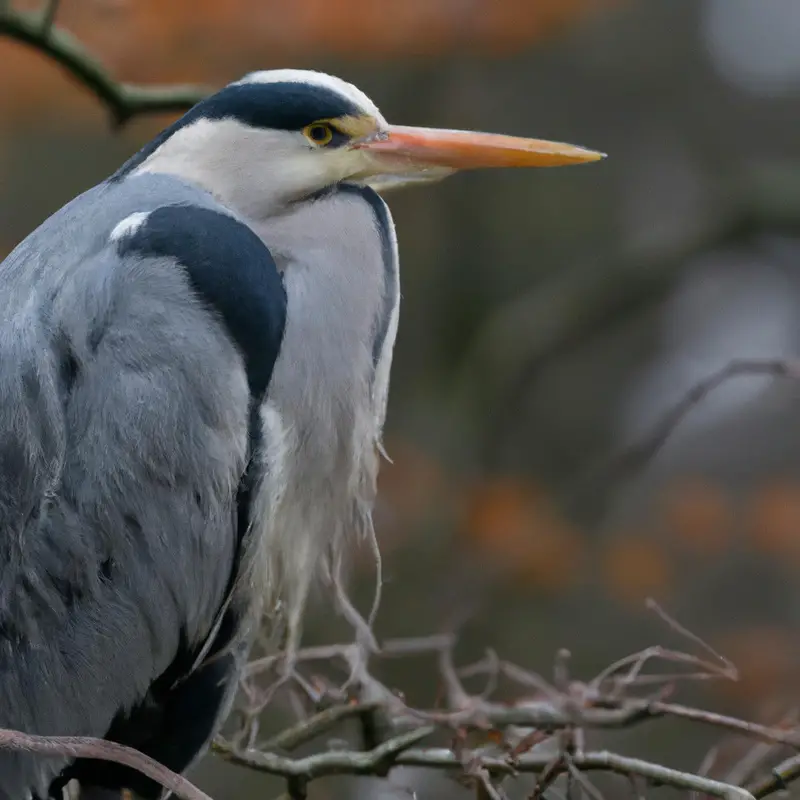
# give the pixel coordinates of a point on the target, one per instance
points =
(549, 318)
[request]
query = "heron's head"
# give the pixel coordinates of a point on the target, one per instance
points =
(277, 136)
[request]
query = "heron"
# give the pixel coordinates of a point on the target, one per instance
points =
(194, 372)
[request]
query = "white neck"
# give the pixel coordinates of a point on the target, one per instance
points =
(327, 398)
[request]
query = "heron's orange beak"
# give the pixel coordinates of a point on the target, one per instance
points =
(457, 150)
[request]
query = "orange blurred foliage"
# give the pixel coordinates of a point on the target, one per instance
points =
(411, 488)
(210, 41)
(515, 525)
(768, 660)
(773, 522)
(698, 516)
(635, 567)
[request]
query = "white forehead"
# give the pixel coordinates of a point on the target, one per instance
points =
(313, 78)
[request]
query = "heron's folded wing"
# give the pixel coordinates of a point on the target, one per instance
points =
(127, 394)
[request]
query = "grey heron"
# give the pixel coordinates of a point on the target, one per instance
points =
(194, 367)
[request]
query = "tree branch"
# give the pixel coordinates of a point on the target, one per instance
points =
(49, 16)
(507, 733)
(88, 747)
(630, 460)
(512, 731)
(124, 101)
(778, 780)
(397, 752)
(306, 730)
(575, 304)
(374, 762)
(637, 457)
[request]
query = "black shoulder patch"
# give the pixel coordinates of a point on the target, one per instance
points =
(284, 105)
(232, 271)
(384, 225)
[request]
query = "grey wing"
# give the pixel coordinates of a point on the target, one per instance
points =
(124, 407)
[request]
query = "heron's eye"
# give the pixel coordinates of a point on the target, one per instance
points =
(320, 133)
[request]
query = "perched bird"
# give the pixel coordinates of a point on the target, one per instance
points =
(194, 366)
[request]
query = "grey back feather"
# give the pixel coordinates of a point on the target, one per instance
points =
(123, 435)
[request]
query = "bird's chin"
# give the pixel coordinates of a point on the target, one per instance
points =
(389, 181)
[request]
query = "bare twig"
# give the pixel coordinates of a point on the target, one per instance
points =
(779, 779)
(635, 458)
(636, 662)
(517, 729)
(308, 729)
(627, 671)
(585, 783)
(759, 754)
(395, 648)
(49, 17)
(123, 100)
(728, 670)
(374, 762)
(88, 747)
(791, 738)
(486, 789)
(397, 752)
(750, 763)
(417, 645)
(571, 709)
(706, 766)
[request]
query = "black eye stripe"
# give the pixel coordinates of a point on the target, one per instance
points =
(332, 136)
(338, 139)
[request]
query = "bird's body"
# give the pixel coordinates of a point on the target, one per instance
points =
(155, 413)
(194, 368)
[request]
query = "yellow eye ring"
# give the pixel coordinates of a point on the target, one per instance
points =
(319, 133)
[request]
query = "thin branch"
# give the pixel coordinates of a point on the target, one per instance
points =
(416, 645)
(773, 735)
(394, 648)
(567, 705)
(584, 782)
(597, 711)
(397, 753)
(706, 765)
(636, 662)
(634, 458)
(306, 730)
(750, 764)
(758, 755)
(486, 789)
(374, 762)
(123, 100)
(728, 669)
(779, 779)
(574, 304)
(49, 17)
(88, 747)
(625, 714)
(577, 710)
